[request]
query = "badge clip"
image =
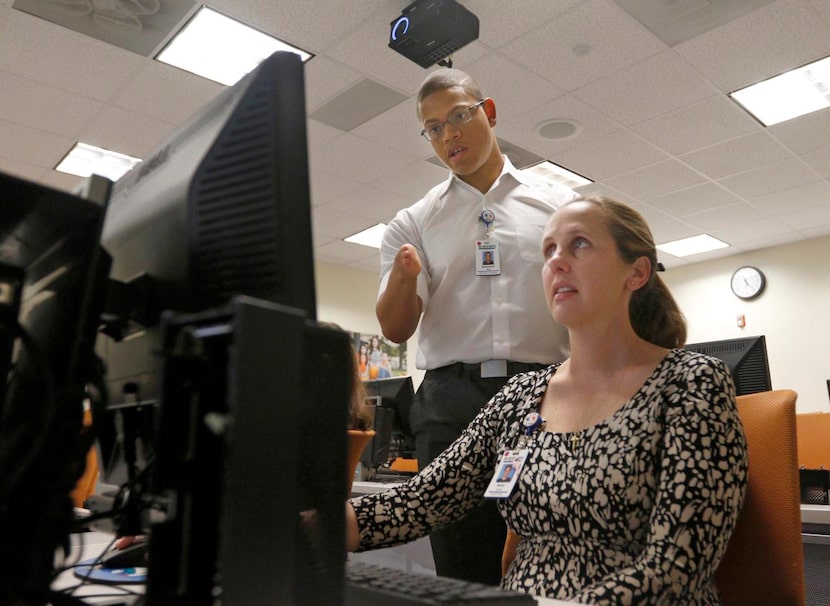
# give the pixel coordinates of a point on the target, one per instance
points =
(487, 217)
(532, 423)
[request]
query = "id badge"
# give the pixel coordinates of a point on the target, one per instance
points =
(507, 474)
(487, 258)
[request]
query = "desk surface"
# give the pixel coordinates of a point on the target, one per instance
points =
(89, 545)
(370, 487)
(815, 514)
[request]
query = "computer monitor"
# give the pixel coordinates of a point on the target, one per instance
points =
(395, 394)
(52, 285)
(220, 208)
(746, 359)
(222, 211)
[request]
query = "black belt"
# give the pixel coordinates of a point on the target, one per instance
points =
(489, 368)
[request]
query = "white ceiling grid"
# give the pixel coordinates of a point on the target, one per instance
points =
(654, 125)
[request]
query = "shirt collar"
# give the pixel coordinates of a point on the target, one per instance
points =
(506, 169)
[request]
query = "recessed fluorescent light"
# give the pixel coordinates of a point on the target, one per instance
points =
(792, 94)
(368, 237)
(558, 174)
(84, 160)
(222, 49)
(692, 246)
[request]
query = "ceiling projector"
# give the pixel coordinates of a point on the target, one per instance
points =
(429, 31)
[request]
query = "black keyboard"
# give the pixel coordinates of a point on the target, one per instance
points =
(371, 585)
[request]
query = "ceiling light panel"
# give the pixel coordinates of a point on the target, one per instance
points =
(789, 95)
(84, 160)
(221, 49)
(519, 156)
(368, 237)
(692, 246)
(558, 174)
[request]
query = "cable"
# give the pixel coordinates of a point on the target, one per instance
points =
(33, 485)
(97, 560)
(29, 451)
(42, 453)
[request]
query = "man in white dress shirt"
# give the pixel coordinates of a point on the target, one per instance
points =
(465, 262)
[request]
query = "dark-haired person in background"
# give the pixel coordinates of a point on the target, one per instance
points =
(478, 324)
(635, 461)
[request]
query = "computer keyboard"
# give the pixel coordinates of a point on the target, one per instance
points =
(372, 585)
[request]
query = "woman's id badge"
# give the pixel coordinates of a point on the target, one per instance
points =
(507, 474)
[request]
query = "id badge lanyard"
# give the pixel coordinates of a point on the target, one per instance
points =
(488, 262)
(511, 462)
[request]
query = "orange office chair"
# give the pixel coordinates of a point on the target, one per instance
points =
(764, 561)
(511, 542)
(356, 442)
(812, 429)
(86, 484)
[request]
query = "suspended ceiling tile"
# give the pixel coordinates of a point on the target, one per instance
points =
(139, 26)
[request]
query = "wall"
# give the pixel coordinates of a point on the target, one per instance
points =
(793, 312)
(347, 296)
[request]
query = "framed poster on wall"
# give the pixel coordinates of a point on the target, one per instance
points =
(378, 357)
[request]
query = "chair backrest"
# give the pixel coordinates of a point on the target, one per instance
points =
(508, 554)
(812, 429)
(85, 486)
(356, 442)
(764, 561)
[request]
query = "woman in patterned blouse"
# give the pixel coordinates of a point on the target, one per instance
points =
(632, 485)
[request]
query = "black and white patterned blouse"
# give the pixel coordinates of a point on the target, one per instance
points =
(638, 510)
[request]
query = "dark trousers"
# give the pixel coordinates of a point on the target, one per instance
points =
(447, 400)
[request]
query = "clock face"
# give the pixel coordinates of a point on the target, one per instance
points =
(748, 282)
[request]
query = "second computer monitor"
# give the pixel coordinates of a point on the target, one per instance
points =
(396, 394)
(746, 358)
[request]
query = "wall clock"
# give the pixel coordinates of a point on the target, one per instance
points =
(748, 282)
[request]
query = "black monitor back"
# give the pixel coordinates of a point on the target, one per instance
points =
(252, 450)
(746, 359)
(396, 395)
(221, 209)
(220, 212)
(284, 515)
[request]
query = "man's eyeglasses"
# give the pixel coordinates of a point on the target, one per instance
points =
(431, 133)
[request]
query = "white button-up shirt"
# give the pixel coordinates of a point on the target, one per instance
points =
(472, 318)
